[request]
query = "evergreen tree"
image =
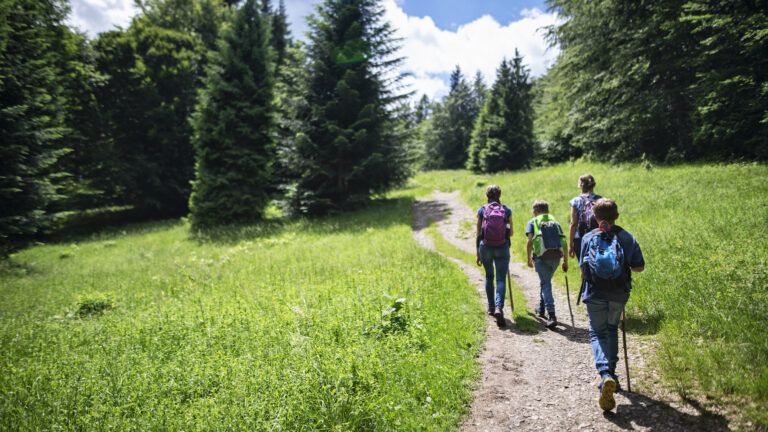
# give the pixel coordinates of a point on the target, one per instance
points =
(281, 35)
(422, 109)
(233, 127)
(91, 181)
(453, 122)
(31, 117)
(479, 93)
(351, 149)
(503, 135)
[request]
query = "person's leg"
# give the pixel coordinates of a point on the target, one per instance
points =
(502, 267)
(612, 328)
(548, 268)
(487, 261)
(597, 311)
(599, 314)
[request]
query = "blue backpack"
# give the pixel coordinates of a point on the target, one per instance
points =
(604, 262)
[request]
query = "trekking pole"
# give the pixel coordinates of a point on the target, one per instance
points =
(626, 358)
(509, 289)
(568, 296)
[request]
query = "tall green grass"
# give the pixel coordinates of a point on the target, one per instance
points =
(292, 326)
(703, 232)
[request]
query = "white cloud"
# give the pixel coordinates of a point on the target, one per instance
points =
(431, 53)
(95, 16)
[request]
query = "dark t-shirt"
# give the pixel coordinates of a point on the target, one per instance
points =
(481, 215)
(633, 257)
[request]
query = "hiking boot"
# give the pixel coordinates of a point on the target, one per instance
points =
(552, 321)
(541, 312)
(615, 378)
(607, 388)
(491, 310)
(499, 314)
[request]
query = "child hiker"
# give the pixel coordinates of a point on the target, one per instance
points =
(546, 245)
(609, 255)
(494, 231)
(582, 216)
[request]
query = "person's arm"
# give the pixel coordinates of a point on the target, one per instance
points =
(572, 233)
(529, 249)
(477, 239)
(637, 263)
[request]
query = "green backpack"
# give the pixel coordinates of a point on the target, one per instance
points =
(548, 237)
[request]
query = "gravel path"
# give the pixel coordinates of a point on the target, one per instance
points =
(546, 381)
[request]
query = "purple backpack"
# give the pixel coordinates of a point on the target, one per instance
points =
(587, 221)
(494, 225)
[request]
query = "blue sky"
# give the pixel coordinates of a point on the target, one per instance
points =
(449, 14)
(437, 34)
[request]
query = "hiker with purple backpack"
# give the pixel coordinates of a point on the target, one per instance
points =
(582, 216)
(494, 232)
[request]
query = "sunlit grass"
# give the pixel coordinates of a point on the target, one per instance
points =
(285, 325)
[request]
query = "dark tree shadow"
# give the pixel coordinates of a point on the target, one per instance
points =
(435, 211)
(655, 415)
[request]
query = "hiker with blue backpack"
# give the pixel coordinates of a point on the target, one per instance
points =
(494, 232)
(582, 216)
(608, 256)
(546, 245)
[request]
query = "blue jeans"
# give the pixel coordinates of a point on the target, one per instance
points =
(498, 256)
(545, 269)
(604, 319)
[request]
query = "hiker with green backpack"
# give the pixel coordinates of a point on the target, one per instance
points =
(546, 245)
(608, 257)
(494, 233)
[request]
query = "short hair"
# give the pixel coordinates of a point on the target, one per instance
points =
(540, 206)
(493, 192)
(606, 209)
(587, 182)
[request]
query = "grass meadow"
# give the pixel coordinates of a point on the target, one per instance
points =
(342, 323)
(703, 232)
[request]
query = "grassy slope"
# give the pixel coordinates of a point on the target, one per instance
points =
(703, 231)
(273, 327)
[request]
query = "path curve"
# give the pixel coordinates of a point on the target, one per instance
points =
(545, 381)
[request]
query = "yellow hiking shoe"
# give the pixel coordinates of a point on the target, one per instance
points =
(607, 387)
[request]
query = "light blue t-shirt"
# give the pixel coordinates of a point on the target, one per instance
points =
(578, 202)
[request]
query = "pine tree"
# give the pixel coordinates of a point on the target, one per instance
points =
(31, 117)
(233, 127)
(281, 35)
(453, 122)
(503, 135)
(351, 149)
(422, 109)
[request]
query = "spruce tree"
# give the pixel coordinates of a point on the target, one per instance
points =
(233, 127)
(503, 135)
(351, 149)
(31, 117)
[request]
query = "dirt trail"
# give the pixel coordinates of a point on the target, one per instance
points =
(546, 381)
